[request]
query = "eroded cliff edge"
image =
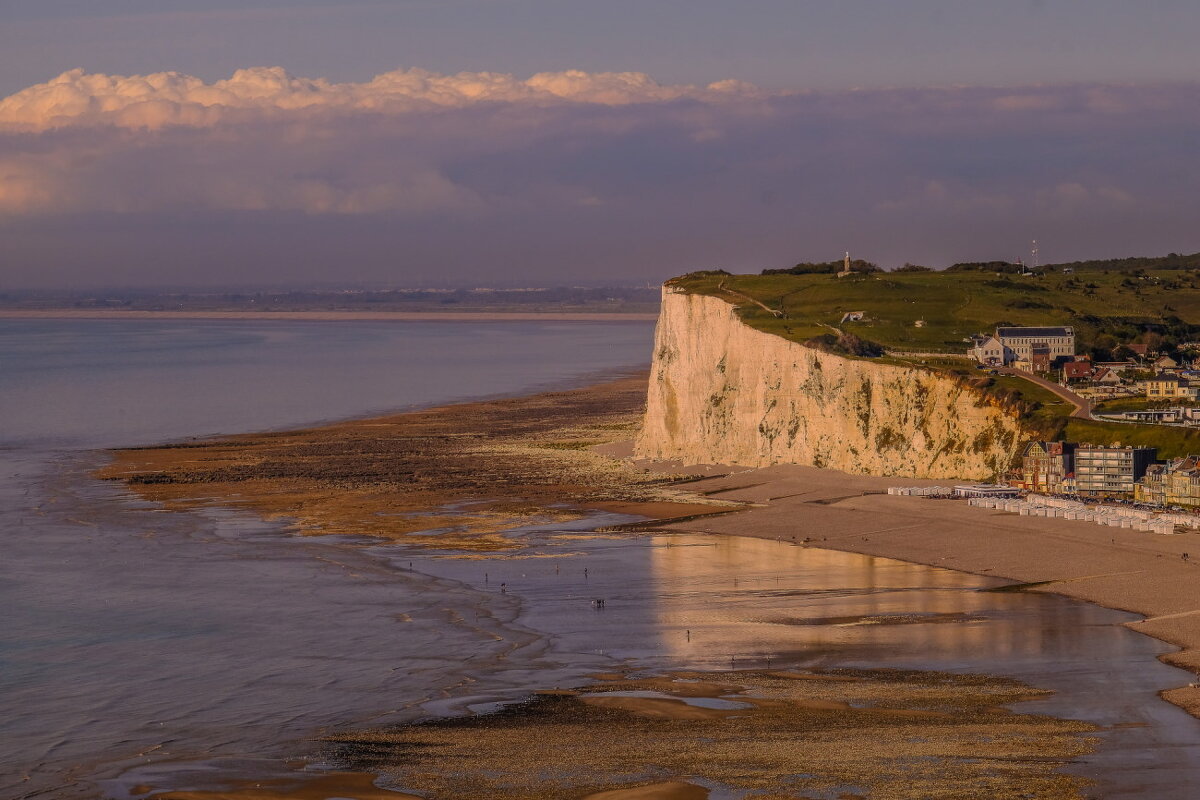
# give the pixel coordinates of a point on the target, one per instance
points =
(723, 392)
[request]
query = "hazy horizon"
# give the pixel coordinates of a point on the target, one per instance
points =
(293, 142)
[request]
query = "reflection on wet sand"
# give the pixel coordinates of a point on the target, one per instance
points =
(780, 600)
(716, 603)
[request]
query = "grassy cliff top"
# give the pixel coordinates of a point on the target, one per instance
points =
(1106, 308)
(957, 304)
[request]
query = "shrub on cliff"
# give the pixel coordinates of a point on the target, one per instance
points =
(701, 273)
(985, 266)
(845, 344)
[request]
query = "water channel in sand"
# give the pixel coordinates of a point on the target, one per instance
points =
(140, 647)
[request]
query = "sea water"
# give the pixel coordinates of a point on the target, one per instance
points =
(125, 631)
(142, 647)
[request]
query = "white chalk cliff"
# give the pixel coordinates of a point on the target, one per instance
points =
(723, 392)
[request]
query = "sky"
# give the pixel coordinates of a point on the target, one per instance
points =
(149, 143)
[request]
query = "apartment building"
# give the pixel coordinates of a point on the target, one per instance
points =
(1111, 471)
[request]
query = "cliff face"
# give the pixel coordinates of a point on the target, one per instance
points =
(722, 392)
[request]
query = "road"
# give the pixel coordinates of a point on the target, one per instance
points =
(1083, 406)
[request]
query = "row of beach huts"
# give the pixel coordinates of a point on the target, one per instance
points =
(965, 490)
(1003, 498)
(1112, 516)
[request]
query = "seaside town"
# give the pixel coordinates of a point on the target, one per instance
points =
(1123, 486)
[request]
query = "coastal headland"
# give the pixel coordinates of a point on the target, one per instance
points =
(755, 424)
(822, 426)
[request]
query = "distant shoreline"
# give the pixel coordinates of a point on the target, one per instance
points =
(337, 316)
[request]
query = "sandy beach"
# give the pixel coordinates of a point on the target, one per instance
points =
(1117, 568)
(334, 316)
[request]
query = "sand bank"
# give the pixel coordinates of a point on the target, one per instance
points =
(336, 316)
(1117, 568)
(847, 733)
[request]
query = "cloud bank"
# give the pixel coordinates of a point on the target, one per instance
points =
(570, 174)
(152, 102)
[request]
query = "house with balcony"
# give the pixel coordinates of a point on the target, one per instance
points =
(1176, 483)
(1046, 466)
(1165, 386)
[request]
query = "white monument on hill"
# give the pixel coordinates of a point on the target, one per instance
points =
(845, 266)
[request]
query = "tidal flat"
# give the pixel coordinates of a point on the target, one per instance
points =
(449, 477)
(500, 493)
(752, 734)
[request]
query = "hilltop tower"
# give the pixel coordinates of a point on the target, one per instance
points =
(845, 266)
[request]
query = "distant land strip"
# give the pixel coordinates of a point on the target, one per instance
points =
(381, 316)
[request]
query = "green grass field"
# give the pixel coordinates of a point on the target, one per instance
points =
(1119, 404)
(955, 305)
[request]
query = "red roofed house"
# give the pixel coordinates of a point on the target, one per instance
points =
(1077, 370)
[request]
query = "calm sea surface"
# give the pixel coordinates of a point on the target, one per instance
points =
(124, 630)
(142, 647)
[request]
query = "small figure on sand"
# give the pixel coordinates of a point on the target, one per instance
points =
(598, 603)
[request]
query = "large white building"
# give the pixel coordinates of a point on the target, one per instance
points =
(1011, 344)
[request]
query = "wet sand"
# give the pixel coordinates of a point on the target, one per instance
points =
(1128, 570)
(330, 786)
(772, 734)
(458, 477)
(454, 476)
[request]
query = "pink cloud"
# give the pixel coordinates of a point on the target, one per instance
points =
(485, 163)
(76, 98)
